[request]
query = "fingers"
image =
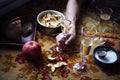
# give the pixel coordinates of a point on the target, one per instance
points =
(59, 37)
(69, 40)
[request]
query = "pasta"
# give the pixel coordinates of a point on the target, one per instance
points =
(50, 19)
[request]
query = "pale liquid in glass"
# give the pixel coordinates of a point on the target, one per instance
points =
(65, 26)
(104, 16)
(85, 47)
(65, 29)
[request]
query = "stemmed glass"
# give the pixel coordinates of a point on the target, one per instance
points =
(65, 28)
(104, 16)
(87, 39)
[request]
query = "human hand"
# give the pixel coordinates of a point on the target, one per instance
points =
(66, 37)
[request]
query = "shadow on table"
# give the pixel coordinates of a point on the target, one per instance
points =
(110, 69)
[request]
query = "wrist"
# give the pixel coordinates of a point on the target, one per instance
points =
(73, 20)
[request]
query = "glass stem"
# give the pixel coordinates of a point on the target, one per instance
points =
(83, 59)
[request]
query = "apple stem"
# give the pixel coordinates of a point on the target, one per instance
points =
(31, 43)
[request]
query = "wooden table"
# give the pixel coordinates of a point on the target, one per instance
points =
(12, 70)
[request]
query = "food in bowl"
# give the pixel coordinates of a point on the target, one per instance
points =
(102, 54)
(50, 18)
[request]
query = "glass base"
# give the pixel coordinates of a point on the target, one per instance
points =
(80, 67)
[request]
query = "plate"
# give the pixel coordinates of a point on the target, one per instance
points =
(110, 57)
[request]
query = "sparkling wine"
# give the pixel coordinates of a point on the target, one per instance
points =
(85, 47)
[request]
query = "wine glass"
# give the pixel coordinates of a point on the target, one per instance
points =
(104, 16)
(87, 39)
(65, 28)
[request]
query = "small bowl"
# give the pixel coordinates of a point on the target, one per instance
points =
(49, 22)
(105, 55)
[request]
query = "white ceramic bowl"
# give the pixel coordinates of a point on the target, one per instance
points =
(49, 29)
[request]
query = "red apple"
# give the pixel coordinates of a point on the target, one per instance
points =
(31, 51)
